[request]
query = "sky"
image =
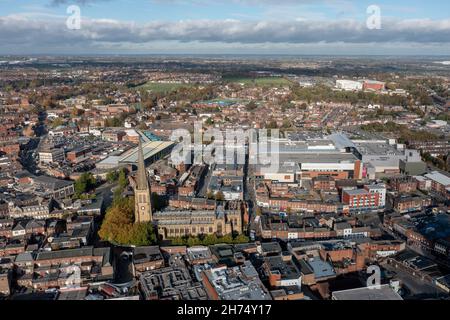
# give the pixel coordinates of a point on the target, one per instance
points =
(294, 27)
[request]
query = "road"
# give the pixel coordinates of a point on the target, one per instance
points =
(26, 157)
(107, 192)
(249, 191)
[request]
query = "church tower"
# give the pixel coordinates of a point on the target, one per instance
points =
(142, 200)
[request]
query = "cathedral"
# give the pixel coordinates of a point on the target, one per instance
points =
(142, 199)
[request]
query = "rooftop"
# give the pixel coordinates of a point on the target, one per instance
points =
(286, 269)
(322, 269)
(383, 292)
(237, 283)
(439, 178)
(150, 149)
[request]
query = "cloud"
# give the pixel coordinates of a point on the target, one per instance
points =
(79, 2)
(250, 2)
(19, 30)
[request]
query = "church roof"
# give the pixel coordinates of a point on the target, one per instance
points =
(142, 182)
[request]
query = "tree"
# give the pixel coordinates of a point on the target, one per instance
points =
(272, 125)
(85, 183)
(123, 181)
(210, 239)
(242, 238)
(112, 176)
(118, 221)
(228, 238)
(142, 234)
(119, 227)
(76, 112)
(114, 122)
(304, 106)
(209, 121)
(286, 123)
(220, 196)
(57, 122)
(251, 106)
(193, 241)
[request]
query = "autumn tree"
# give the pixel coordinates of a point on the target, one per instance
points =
(57, 122)
(119, 227)
(220, 196)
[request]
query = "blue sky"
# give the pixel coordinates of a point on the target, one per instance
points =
(225, 26)
(172, 10)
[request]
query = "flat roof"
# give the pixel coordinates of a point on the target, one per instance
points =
(376, 147)
(321, 268)
(356, 192)
(292, 162)
(111, 160)
(149, 149)
(439, 178)
(318, 157)
(286, 269)
(383, 292)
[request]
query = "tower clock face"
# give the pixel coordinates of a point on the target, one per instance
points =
(142, 208)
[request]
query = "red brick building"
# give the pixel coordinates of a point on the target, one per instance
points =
(360, 199)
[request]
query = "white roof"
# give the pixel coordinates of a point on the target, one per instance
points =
(439, 178)
(420, 178)
(131, 133)
(383, 292)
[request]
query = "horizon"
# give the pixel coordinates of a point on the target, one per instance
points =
(218, 55)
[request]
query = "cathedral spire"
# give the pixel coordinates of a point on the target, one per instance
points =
(143, 204)
(142, 182)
